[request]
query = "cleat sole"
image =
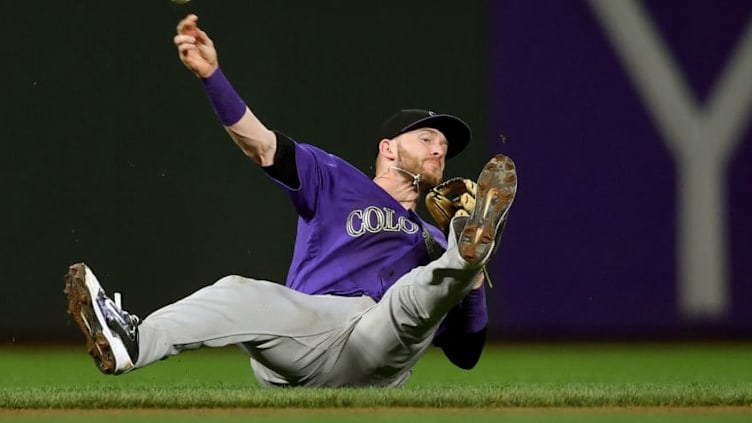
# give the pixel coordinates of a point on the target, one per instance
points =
(80, 307)
(497, 186)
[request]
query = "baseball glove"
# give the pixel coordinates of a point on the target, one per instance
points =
(453, 197)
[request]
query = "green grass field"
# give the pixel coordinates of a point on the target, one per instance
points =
(529, 383)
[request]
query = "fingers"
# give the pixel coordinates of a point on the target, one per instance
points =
(203, 38)
(189, 43)
(186, 45)
(189, 32)
(188, 24)
(195, 48)
(471, 186)
(184, 39)
(467, 201)
(184, 49)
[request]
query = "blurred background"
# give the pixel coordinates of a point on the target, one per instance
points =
(628, 121)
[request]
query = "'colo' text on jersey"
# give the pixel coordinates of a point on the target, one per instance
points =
(353, 238)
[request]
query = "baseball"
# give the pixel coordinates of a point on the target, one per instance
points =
(180, 1)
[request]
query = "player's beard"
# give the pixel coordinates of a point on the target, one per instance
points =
(430, 176)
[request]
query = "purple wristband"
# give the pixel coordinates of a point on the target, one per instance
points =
(226, 103)
(474, 309)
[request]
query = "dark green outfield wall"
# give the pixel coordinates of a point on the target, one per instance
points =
(111, 154)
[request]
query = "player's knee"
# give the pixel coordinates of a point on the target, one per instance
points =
(235, 281)
(230, 280)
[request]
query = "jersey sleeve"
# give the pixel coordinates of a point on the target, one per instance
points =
(283, 169)
(303, 171)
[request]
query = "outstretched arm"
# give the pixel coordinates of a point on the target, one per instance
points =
(197, 52)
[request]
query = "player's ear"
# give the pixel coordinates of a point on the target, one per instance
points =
(387, 148)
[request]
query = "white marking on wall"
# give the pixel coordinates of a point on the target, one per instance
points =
(701, 140)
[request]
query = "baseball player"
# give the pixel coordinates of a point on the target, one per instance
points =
(371, 284)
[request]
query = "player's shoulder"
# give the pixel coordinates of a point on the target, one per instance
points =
(330, 161)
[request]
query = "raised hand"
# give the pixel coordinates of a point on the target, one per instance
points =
(195, 48)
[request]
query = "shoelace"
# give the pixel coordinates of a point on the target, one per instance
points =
(115, 314)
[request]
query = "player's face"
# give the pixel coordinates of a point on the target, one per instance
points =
(423, 151)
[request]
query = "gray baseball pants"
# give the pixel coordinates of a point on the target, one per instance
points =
(314, 340)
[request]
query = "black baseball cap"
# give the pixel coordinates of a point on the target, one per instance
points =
(456, 131)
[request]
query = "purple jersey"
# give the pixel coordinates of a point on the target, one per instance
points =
(353, 238)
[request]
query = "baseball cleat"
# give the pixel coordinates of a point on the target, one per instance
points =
(111, 333)
(497, 186)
